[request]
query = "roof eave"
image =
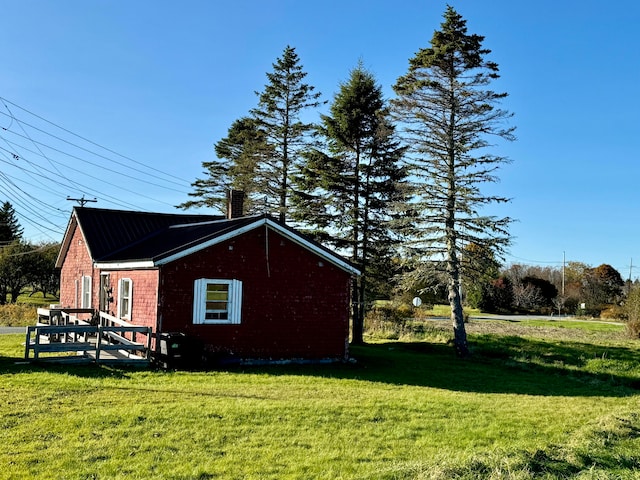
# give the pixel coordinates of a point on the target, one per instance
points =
(125, 265)
(290, 234)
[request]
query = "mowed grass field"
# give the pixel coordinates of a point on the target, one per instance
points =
(535, 401)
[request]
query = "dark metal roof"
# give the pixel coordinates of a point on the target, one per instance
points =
(121, 236)
(176, 238)
(109, 231)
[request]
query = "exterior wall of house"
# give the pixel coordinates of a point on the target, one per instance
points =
(144, 295)
(77, 264)
(294, 305)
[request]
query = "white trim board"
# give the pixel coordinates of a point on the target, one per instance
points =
(138, 264)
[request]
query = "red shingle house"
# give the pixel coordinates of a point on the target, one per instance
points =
(246, 287)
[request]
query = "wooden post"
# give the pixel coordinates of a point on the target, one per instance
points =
(98, 343)
(36, 347)
(27, 344)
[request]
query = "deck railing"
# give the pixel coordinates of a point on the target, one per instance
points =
(113, 340)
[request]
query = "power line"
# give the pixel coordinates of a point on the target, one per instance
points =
(35, 250)
(114, 199)
(11, 158)
(4, 100)
(77, 187)
(81, 159)
(537, 262)
(27, 135)
(29, 202)
(40, 158)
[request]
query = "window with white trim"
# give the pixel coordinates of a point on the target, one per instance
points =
(85, 296)
(217, 301)
(125, 295)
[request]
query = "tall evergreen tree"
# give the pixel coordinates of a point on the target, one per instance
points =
(448, 113)
(239, 155)
(278, 114)
(10, 229)
(349, 189)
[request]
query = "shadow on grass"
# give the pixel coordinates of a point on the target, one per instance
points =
(10, 365)
(500, 364)
(511, 365)
(12, 362)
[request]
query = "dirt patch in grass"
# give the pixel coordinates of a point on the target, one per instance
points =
(520, 329)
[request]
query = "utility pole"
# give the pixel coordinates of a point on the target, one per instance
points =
(82, 200)
(563, 264)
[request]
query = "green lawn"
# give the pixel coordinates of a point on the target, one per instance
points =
(524, 407)
(596, 325)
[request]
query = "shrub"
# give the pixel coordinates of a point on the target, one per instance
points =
(632, 309)
(18, 315)
(633, 329)
(404, 322)
(387, 321)
(614, 312)
(497, 297)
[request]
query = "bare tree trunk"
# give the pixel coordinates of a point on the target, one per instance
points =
(357, 337)
(453, 264)
(455, 301)
(282, 213)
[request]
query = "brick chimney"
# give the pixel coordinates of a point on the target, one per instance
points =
(235, 204)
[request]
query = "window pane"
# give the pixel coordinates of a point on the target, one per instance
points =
(217, 296)
(216, 305)
(217, 292)
(217, 301)
(211, 287)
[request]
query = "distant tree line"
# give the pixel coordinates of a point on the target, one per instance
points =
(576, 289)
(22, 264)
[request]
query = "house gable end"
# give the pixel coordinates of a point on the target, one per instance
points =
(125, 239)
(289, 233)
(66, 241)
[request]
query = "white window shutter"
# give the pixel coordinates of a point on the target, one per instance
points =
(236, 303)
(199, 290)
(86, 292)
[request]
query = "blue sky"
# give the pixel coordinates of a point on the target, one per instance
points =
(157, 83)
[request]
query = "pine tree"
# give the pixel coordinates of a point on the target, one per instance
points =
(10, 229)
(236, 168)
(349, 189)
(448, 113)
(278, 113)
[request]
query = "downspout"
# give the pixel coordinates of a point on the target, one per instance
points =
(159, 311)
(266, 248)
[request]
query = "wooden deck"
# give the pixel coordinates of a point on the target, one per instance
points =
(61, 337)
